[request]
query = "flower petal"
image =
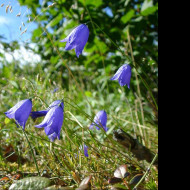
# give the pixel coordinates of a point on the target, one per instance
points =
(10, 114)
(118, 73)
(36, 114)
(52, 137)
(64, 40)
(100, 119)
(41, 125)
(48, 129)
(91, 126)
(105, 128)
(85, 150)
(97, 128)
(22, 114)
(125, 77)
(56, 103)
(69, 46)
(78, 51)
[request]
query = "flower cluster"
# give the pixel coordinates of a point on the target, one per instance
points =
(54, 114)
(52, 122)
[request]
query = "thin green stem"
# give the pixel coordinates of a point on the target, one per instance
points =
(29, 146)
(128, 58)
(94, 29)
(147, 171)
(148, 88)
(136, 76)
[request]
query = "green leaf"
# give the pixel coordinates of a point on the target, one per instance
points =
(119, 187)
(29, 2)
(31, 183)
(95, 3)
(7, 120)
(127, 17)
(126, 2)
(55, 21)
(135, 179)
(148, 7)
(88, 93)
(94, 58)
(6, 72)
(36, 33)
(14, 84)
(147, 4)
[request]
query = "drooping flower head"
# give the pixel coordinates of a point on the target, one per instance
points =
(52, 122)
(85, 150)
(100, 119)
(77, 39)
(55, 90)
(123, 75)
(36, 114)
(20, 112)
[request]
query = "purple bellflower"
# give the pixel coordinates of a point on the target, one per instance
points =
(20, 112)
(85, 150)
(36, 114)
(52, 122)
(55, 90)
(100, 119)
(77, 39)
(123, 75)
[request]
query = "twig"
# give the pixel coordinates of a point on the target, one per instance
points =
(140, 152)
(147, 171)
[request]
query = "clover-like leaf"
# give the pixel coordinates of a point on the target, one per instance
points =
(121, 171)
(31, 183)
(85, 184)
(86, 180)
(114, 180)
(135, 179)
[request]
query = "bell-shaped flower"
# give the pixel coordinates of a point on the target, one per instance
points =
(52, 122)
(123, 75)
(85, 150)
(36, 114)
(100, 119)
(52, 137)
(20, 112)
(77, 39)
(55, 90)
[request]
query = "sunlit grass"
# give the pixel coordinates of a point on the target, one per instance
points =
(65, 157)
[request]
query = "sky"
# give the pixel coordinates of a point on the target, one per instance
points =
(11, 27)
(10, 23)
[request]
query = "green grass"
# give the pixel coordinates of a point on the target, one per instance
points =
(65, 157)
